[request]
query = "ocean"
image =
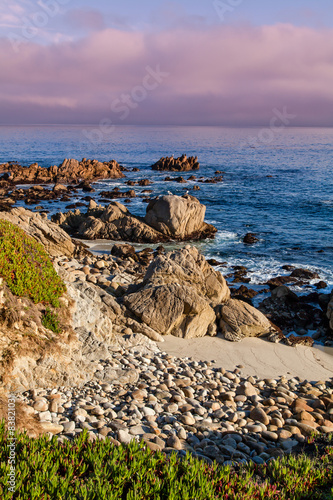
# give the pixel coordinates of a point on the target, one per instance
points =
(277, 183)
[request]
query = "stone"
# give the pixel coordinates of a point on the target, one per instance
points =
(250, 239)
(124, 437)
(153, 446)
(247, 389)
(172, 309)
(179, 217)
(45, 416)
(50, 427)
(181, 164)
(41, 405)
(187, 419)
(330, 312)
(174, 442)
(242, 320)
(258, 414)
(69, 426)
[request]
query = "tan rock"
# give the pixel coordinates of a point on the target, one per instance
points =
(50, 427)
(239, 319)
(54, 239)
(258, 414)
(180, 217)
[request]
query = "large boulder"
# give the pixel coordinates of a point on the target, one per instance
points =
(189, 267)
(173, 309)
(178, 295)
(238, 320)
(54, 239)
(179, 217)
(181, 164)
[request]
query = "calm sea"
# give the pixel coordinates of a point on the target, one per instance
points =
(277, 184)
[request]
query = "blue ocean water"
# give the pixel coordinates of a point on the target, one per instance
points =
(278, 184)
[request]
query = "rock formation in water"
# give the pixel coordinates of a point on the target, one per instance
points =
(181, 164)
(168, 218)
(69, 170)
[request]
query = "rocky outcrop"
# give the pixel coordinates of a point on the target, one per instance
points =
(54, 239)
(33, 356)
(114, 222)
(181, 164)
(69, 170)
(178, 294)
(168, 218)
(187, 266)
(179, 217)
(238, 319)
(173, 309)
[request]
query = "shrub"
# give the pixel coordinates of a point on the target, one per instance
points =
(50, 320)
(26, 267)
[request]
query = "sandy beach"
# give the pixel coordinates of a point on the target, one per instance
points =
(257, 356)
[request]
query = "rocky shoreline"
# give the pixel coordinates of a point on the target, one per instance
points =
(105, 373)
(168, 218)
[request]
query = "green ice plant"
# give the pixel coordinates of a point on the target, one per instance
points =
(84, 470)
(26, 267)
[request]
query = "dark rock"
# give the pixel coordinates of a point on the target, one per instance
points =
(144, 182)
(305, 274)
(320, 285)
(250, 239)
(124, 251)
(244, 293)
(181, 164)
(115, 193)
(279, 281)
(214, 262)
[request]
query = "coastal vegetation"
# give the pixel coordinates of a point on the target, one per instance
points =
(27, 268)
(80, 469)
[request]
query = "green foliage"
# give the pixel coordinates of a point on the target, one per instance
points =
(101, 471)
(26, 267)
(50, 320)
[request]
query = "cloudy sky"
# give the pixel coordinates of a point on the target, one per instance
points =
(200, 62)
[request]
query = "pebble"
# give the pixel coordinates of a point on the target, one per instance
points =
(179, 404)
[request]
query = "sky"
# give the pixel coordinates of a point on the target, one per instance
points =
(192, 62)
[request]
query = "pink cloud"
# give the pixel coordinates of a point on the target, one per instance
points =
(221, 75)
(85, 19)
